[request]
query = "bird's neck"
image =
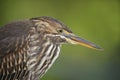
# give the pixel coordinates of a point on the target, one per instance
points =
(42, 55)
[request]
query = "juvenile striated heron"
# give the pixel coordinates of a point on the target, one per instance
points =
(28, 48)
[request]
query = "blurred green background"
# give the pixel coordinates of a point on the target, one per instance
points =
(95, 20)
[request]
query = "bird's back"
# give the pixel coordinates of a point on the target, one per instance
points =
(13, 42)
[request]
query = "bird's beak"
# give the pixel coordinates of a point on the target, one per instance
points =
(71, 38)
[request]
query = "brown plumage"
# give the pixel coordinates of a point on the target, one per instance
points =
(28, 48)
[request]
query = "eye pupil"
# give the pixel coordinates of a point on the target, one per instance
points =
(60, 31)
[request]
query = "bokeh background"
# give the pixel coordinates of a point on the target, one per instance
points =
(95, 20)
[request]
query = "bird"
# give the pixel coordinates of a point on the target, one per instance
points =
(29, 47)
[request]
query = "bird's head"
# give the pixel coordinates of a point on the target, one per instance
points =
(60, 33)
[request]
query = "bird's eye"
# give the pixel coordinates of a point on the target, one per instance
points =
(60, 30)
